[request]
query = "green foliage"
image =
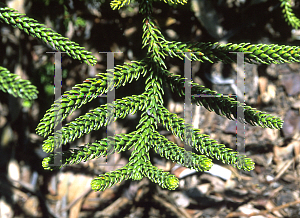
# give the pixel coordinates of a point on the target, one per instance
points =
(35, 29)
(117, 4)
(289, 15)
(150, 102)
(80, 22)
(87, 91)
(15, 86)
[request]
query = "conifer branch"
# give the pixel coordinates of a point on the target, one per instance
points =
(214, 52)
(153, 38)
(221, 105)
(201, 142)
(151, 103)
(93, 150)
(159, 48)
(163, 179)
(170, 150)
(94, 120)
(135, 172)
(37, 30)
(16, 86)
(154, 88)
(171, 2)
(289, 16)
(117, 4)
(139, 166)
(111, 178)
(90, 89)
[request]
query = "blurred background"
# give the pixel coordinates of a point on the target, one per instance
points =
(271, 190)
